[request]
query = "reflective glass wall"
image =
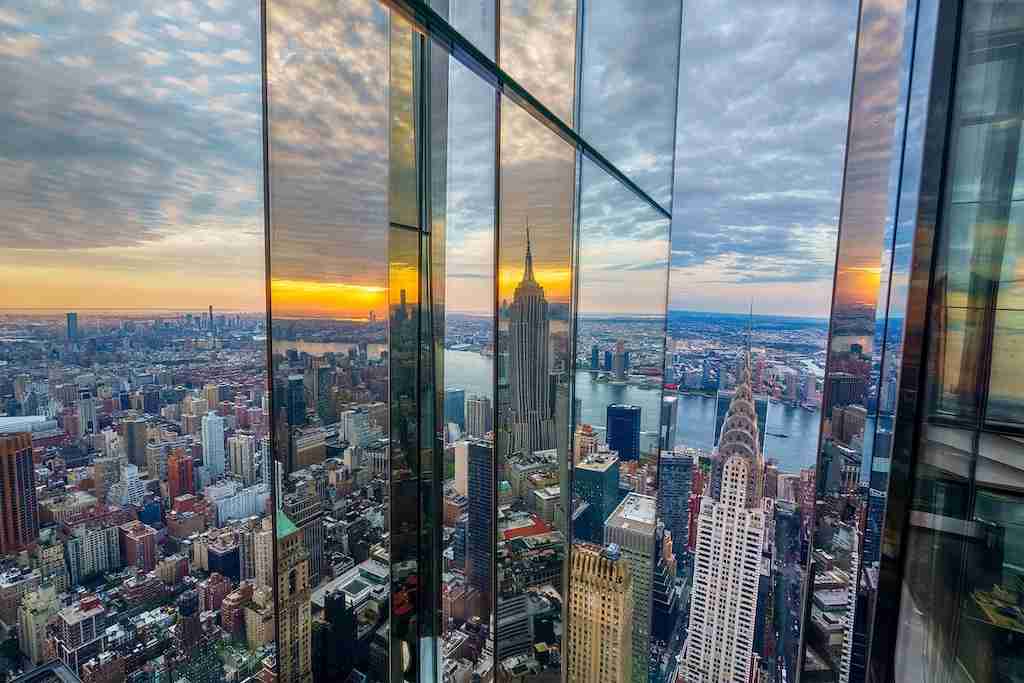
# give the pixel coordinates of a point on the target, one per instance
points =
(959, 572)
(844, 498)
(446, 239)
(913, 569)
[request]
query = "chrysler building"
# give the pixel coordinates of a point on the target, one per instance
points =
(730, 534)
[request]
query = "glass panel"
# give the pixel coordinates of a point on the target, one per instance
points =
(754, 217)
(961, 594)
(873, 242)
(621, 297)
(476, 20)
(134, 458)
(469, 501)
(628, 71)
(1006, 387)
(1006, 382)
(533, 417)
(538, 49)
(329, 132)
(404, 313)
(403, 195)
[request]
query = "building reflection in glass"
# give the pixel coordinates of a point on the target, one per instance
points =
(332, 179)
(842, 502)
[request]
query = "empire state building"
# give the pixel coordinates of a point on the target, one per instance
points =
(730, 534)
(531, 421)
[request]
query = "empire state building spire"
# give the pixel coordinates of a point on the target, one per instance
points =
(528, 271)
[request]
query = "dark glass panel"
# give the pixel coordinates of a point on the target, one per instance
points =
(537, 47)
(533, 411)
(404, 319)
(627, 101)
(962, 580)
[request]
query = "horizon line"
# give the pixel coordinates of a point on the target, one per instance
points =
(475, 314)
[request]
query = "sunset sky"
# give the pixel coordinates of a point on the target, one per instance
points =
(131, 165)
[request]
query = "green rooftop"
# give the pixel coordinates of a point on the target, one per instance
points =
(285, 526)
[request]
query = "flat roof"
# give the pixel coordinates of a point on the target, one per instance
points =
(635, 512)
(599, 463)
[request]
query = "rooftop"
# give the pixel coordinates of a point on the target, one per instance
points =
(635, 512)
(285, 526)
(598, 462)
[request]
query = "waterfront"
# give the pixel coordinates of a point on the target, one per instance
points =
(696, 427)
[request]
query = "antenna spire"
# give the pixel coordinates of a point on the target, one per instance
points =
(528, 274)
(750, 328)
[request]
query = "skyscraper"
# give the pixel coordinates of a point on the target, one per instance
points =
(72, 330)
(87, 421)
(675, 478)
(601, 612)
(481, 516)
(842, 389)
(180, 473)
(241, 456)
(293, 604)
(596, 482)
(478, 416)
(138, 545)
(296, 401)
(669, 420)
(19, 514)
(37, 609)
(531, 418)
(192, 653)
(619, 361)
(632, 527)
(624, 431)
(135, 441)
(213, 445)
(595, 358)
(730, 533)
(455, 407)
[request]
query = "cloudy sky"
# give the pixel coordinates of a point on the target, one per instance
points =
(131, 160)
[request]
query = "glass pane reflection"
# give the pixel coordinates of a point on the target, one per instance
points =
(960, 592)
(537, 47)
(628, 71)
(533, 416)
(468, 382)
(623, 248)
(844, 501)
(330, 184)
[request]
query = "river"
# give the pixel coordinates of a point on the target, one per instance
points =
(696, 427)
